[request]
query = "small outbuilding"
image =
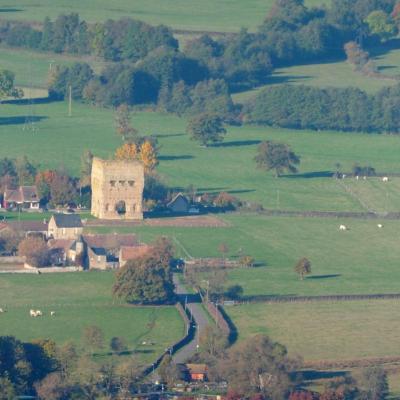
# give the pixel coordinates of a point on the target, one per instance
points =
(179, 204)
(197, 372)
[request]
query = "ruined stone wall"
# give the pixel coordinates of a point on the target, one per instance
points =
(115, 183)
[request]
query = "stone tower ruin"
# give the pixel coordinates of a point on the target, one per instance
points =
(117, 189)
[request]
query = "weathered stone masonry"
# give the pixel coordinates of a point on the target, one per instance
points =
(117, 189)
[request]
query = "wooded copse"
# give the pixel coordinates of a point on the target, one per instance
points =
(304, 107)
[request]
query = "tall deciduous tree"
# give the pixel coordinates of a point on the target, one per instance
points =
(148, 154)
(35, 250)
(93, 337)
(381, 24)
(86, 168)
(147, 279)
(123, 124)
(303, 267)
(7, 88)
(259, 365)
(206, 128)
(276, 156)
(128, 151)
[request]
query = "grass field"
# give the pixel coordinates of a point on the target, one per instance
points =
(83, 299)
(60, 140)
(325, 331)
(220, 16)
(31, 68)
(338, 74)
(361, 260)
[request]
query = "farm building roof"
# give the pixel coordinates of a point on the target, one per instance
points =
(67, 220)
(197, 368)
(64, 244)
(21, 195)
(133, 252)
(110, 241)
(178, 197)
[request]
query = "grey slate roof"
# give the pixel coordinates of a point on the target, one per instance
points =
(67, 220)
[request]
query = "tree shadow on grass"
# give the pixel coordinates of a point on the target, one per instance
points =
(238, 191)
(310, 175)
(10, 10)
(315, 277)
(25, 102)
(160, 135)
(21, 119)
(312, 374)
(237, 143)
(174, 158)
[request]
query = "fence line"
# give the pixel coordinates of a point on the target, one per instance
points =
(305, 299)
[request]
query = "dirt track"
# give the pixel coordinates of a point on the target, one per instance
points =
(200, 221)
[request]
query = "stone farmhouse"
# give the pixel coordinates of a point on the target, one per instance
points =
(65, 226)
(69, 246)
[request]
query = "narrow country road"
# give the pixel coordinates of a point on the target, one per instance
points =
(193, 302)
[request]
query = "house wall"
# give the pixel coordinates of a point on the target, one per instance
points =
(95, 261)
(63, 233)
(180, 205)
(116, 181)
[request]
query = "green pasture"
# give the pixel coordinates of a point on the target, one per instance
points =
(59, 140)
(339, 74)
(206, 15)
(31, 68)
(325, 330)
(79, 300)
(364, 259)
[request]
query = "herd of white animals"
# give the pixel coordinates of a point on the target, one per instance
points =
(32, 313)
(384, 178)
(343, 227)
(346, 228)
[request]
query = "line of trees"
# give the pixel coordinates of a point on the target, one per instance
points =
(304, 107)
(290, 34)
(125, 39)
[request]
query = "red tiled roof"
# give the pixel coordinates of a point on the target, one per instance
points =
(197, 368)
(110, 241)
(133, 252)
(64, 244)
(32, 226)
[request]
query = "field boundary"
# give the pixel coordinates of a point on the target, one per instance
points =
(305, 299)
(353, 363)
(330, 214)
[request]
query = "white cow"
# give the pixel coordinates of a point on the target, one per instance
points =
(380, 226)
(342, 228)
(385, 179)
(38, 313)
(1, 310)
(357, 177)
(52, 313)
(32, 313)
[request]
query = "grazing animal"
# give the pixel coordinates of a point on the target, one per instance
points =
(1, 310)
(52, 313)
(32, 313)
(357, 177)
(342, 228)
(38, 313)
(385, 179)
(380, 226)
